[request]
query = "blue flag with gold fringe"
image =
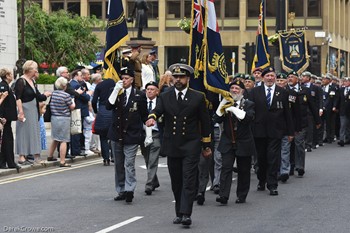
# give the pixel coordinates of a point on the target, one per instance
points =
(116, 35)
(206, 53)
(262, 56)
(293, 47)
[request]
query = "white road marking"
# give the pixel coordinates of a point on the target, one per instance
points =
(159, 165)
(111, 228)
(43, 173)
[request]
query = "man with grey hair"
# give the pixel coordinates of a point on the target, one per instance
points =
(62, 71)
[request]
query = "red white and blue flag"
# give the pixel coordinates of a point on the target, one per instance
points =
(206, 53)
(262, 56)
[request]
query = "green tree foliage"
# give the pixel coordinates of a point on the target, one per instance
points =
(59, 38)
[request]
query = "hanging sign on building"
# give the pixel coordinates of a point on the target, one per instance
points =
(293, 51)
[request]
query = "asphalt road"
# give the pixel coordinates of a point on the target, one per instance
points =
(80, 199)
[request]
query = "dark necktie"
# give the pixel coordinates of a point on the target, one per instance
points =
(125, 99)
(268, 97)
(150, 106)
(179, 97)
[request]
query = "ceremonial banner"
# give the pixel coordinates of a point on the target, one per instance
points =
(262, 56)
(116, 35)
(293, 49)
(206, 53)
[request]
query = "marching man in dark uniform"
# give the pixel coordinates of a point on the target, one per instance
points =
(186, 132)
(237, 141)
(272, 121)
(129, 112)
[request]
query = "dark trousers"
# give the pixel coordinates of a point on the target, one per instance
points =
(183, 175)
(7, 155)
(75, 144)
(309, 143)
(243, 179)
(269, 153)
(330, 125)
(105, 148)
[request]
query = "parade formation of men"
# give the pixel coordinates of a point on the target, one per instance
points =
(273, 120)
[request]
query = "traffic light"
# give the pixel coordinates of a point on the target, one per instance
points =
(245, 53)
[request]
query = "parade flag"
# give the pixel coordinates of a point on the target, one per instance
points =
(293, 48)
(262, 56)
(116, 35)
(206, 53)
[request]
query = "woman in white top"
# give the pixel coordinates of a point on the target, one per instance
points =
(147, 72)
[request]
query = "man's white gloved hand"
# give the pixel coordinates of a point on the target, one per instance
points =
(222, 103)
(118, 86)
(148, 140)
(239, 113)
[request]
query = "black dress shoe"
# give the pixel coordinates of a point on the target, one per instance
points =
(177, 220)
(31, 157)
(308, 150)
(216, 189)
(186, 220)
(148, 191)
(341, 143)
(284, 177)
(129, 196)
(273, 192)
(3, 167)
(301, 172)
(156, 186)
(200, 198)
(222, 200)
(240, 200)
(120, 197)
(260, 187)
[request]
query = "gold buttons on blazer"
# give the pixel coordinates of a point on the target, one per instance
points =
(174, 117)
(174, 133)
(174, 128)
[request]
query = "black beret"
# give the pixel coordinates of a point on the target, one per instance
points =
(179, 69)
(281, 76)
(250, 77)
(293, 73)
(237, 82)
(267, 70)
(126, 71)
(151, 84)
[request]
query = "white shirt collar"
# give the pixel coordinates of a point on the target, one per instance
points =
(184, 91)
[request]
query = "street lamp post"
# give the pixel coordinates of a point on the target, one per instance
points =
(22, 30)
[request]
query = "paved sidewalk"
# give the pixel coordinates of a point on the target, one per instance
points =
(43, 156)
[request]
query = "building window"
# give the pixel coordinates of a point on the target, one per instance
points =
(271, 8)
(314, 8)
(253, 8)
(232, 9)
(297, 6)
(188, 9)
(96, 9)
(176, 54)
(153, 7)
(56, 6)
(74, 8)
(173, 9)
(217, 4)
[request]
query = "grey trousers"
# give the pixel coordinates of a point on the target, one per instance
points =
(151, 156)
(124, 166)
(299, 141)
(285, 156)
(344, 128)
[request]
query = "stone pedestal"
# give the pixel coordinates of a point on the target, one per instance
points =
(146, 45)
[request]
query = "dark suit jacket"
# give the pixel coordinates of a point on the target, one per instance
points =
(127, 121)
(316, 94)
(244, 140)
(276, 121)
(8, 108)
(344, 103)
(330, 98)
(185, 126)
(82, 101)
